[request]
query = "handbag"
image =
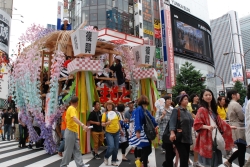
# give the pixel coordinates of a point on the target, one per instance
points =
(149, 127)
(166, 133)
(216, 135)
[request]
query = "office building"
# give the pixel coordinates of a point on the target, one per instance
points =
(7, 6)
(142, 18)
(226, 39)
(245, 34)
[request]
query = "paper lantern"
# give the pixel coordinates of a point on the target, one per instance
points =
(84, 42)
(81, 64)
(144, 55)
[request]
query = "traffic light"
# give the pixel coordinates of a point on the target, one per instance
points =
(222, 93)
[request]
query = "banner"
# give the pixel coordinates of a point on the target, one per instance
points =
(248, 73)
(4, 78)
(4, 31)
(167, 44)
(237, 74)
(159, 67)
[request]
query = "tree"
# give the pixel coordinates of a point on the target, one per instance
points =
(189, 80)
(241, 90)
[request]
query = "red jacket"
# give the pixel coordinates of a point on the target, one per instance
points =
(204, 139)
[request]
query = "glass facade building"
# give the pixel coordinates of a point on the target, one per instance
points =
(245, 34)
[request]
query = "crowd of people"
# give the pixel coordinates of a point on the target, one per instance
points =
(196, 125)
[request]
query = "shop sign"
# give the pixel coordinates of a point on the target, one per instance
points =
(145, 31)
(157, 24)
(4, 78)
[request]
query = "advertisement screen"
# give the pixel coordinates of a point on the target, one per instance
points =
(191, 37)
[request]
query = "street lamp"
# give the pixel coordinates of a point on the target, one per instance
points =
(19, 15)
(19, 20)
(242, 56)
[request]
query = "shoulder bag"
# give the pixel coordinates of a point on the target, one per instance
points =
(178, 134)
(149, 127)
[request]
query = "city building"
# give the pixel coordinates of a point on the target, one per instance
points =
(7, 6)
(143, 18)
(245, 34)
(227, 46)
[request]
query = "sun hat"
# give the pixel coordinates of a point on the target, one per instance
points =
(109, 102)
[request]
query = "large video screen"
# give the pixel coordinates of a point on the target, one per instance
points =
(191, 36)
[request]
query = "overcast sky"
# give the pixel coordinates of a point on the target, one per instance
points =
(44, 12)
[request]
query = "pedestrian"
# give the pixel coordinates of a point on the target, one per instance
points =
(66, 25)
(247, 118)
(125, 126)
(194, 105)
(63, 127)
(16, 125)
(110, 120)
(95, 119)
(2, 127)
(139, 138)
(237, 119)
(162, 117)
(8, 123)
(222, 107)
(203, 124)
(23, 130)
(181, 121)
(71, 136)
(127, 115)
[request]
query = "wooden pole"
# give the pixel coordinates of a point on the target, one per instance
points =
(41, 75)
(110, 59)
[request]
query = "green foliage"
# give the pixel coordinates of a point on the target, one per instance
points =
(241, 90)
(188, 80)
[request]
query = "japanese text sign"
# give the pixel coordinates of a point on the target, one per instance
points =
(114, 95)
(237, 74)
(144, 54)
(84, 42)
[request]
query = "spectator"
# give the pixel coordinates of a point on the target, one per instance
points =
(97, 133)
(16, 123)
(222, 107)
(7, 122)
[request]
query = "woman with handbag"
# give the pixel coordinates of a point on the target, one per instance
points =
(180, 127)
(206, 123)
(139, 136)
(237, 119)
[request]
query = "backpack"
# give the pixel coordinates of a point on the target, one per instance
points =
(149, 127)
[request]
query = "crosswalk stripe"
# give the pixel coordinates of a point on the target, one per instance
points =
(22, 158)
(7, 144)
(46, 161)
(39, 158)
(13, 153)
(8, 148)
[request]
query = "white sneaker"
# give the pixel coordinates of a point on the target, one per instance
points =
(86, 165)
(106, 161)
(197, 164)
(114, 164)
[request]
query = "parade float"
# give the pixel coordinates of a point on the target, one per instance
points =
(57, 65)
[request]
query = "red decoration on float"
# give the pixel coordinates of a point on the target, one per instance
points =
(114, 95)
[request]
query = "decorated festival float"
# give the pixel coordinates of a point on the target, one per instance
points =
(60, 64)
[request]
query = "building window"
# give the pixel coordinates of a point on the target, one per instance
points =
(140, 25)
(140, 12)
(93, 2)
(101, 2)
(101, 14)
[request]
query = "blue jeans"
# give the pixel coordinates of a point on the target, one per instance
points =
(113, 145)
(61, 147)
(7, 129)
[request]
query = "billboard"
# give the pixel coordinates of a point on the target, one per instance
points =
(191, 37)
(5, 21)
